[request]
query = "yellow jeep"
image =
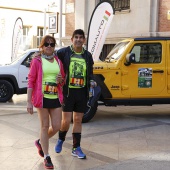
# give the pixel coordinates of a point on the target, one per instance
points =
(135, 72)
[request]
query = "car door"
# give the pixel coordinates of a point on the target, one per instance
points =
(168, 66)
(24, 69)
(147, 76)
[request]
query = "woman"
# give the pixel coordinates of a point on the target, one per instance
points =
(45, 81)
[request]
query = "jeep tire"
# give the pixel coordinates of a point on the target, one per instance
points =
(6, 91)
(90, 112)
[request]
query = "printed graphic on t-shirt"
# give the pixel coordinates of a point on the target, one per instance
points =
(77, 69)
(50, 88)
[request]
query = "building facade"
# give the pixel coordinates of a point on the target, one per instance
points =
(35, 15)
(131, 18)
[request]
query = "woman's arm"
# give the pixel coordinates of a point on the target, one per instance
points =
(29, 102)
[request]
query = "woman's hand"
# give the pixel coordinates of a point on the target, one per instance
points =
(29, 108)
(59, 79)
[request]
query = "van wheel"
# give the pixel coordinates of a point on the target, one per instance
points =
(6, 91)
(90, 113)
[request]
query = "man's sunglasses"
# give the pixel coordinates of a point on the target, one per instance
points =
(51, 44)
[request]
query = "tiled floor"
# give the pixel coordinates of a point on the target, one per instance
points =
(118, 138)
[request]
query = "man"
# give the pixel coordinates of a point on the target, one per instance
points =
(78, 67)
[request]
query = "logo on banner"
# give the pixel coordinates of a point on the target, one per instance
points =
(98, 28)
(106, 17)
(16, 37)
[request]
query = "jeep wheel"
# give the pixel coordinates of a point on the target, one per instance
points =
(6, 91)
(89, 114)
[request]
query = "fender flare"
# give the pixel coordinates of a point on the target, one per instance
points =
(105, 93)
(12, 80)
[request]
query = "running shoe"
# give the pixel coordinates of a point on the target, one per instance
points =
(78, 152)
(38, 145)
(47, 163)
(58, 146)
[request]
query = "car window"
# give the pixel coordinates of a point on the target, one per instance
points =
(117, 51)
(28, 59)
(147, 52)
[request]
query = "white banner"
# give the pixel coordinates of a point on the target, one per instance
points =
(16, 37)
(98, 28)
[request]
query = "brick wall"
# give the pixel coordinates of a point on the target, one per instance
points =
(70, 20)
(163, 22)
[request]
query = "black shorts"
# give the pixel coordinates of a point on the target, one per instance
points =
(51, 103)
(76, 101)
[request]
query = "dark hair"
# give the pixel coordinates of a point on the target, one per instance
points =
(78, 31)
(45, 39)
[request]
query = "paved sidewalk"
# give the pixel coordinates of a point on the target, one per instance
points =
(118, 138)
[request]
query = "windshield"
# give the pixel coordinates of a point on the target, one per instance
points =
(117, 51)
(18, 58)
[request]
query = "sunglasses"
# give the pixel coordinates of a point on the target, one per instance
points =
(51, 44)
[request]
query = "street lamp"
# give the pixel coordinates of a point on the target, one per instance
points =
(60, 23)
(44, 21)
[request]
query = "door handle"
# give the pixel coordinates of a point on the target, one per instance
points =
(158, 71)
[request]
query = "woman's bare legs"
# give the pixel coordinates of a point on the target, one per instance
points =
(47, 132)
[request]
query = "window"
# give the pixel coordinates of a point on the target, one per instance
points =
(120, 5)
(2, 28)
(147, 53)
(26, 36)
(27, 61)
(40, 34)
(26, 30)
(105, 51)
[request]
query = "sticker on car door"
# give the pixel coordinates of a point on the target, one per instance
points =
(145, 78)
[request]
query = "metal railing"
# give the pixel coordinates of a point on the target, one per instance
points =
(120, 5)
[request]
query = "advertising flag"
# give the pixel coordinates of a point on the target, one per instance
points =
(98, 27)
(16, 37)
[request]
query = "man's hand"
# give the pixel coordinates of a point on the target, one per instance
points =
(93, 83)
(36, 54)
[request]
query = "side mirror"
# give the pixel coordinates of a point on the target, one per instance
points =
(130, 58)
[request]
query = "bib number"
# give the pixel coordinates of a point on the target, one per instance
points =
(50, 88)
(77, 82)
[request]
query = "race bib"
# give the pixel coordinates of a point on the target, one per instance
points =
(77, 82)
(50, 88)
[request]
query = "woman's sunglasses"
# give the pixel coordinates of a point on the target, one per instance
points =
(51, 44)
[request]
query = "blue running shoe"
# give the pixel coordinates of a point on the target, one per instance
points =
(58, 146)
(78, 152)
